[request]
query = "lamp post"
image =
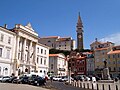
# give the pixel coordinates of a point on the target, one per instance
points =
(69, 78)
(116, 64)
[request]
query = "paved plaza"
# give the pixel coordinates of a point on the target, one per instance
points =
(9, 86)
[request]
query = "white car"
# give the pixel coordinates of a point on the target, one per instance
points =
(93, 79)
(56, 78)
(1, 78)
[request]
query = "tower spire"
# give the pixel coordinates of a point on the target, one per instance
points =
(79, 23)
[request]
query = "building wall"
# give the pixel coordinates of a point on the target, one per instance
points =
(58, 65)
(64, 45)
(90, 66)
(7, 45)
(100, 57)
(58, 43)
(50, 41)
(114, 61)
(42, 59)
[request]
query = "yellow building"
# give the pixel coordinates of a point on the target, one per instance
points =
(100, 50)
(114, 61)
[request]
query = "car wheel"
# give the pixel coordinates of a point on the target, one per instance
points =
(38, 84)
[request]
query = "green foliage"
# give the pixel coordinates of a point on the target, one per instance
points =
(82, 50)
(54, 51)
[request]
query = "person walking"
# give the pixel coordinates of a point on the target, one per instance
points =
(51, 78)
(18, 78)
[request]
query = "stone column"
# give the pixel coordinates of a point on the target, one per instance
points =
(17, 47)
(29, 56)
(24, 48)
(35, 55)
(16, 57)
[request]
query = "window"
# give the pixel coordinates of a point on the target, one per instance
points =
(44, 71)
(41, 51)
(8, 54)
(113, 62)
(51, 66)
(52, 44)
(9, 40)
(41, 61)
(38, 50)
(0, 52)
(1, 38)
(6, 71)
(110, 68)
(40, 71)
(113, 56)
(108, 56)
(45, 52)
(49, 41)
(118, 55)
(114, 69)
(119, 69)
(45, 61)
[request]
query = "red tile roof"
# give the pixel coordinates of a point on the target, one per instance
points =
(114, 52)
(51, 37)
(53, 55)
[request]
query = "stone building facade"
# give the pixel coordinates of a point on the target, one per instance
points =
(20, 44)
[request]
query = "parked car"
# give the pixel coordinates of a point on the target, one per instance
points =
(4, 78)
(93, 79)
(10, 80)
(87, 78)
(23, 80)
(56, 78)
(31, 79)
(39, 81)
(1, 78)
(97, 78)
(79, 77)
(63, 78)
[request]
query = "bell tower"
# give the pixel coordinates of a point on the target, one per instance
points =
(79, 33)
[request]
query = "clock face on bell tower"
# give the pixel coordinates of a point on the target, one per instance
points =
(79, 36)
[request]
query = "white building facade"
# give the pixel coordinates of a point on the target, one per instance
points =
(42, 59)
(18, 51)
(58, 65)
(7, 51)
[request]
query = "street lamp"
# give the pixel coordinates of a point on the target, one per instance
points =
(69, 78)
(116, 64)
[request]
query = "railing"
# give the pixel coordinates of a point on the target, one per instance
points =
(96, 85)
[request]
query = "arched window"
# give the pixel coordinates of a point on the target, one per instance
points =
(6, 71)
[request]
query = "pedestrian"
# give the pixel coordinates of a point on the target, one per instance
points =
(18, 79)
(51, 78)
(46, 78)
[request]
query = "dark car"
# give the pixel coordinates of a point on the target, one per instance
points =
(39, 81)
(23, 80)
(31, 79)
(10, 80)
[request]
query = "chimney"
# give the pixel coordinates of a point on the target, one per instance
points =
(5, 26)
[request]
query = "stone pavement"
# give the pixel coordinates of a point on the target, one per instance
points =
(9, 86)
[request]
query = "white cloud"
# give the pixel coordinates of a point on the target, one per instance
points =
(115, 38)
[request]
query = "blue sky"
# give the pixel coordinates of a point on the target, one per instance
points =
(101, 18)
